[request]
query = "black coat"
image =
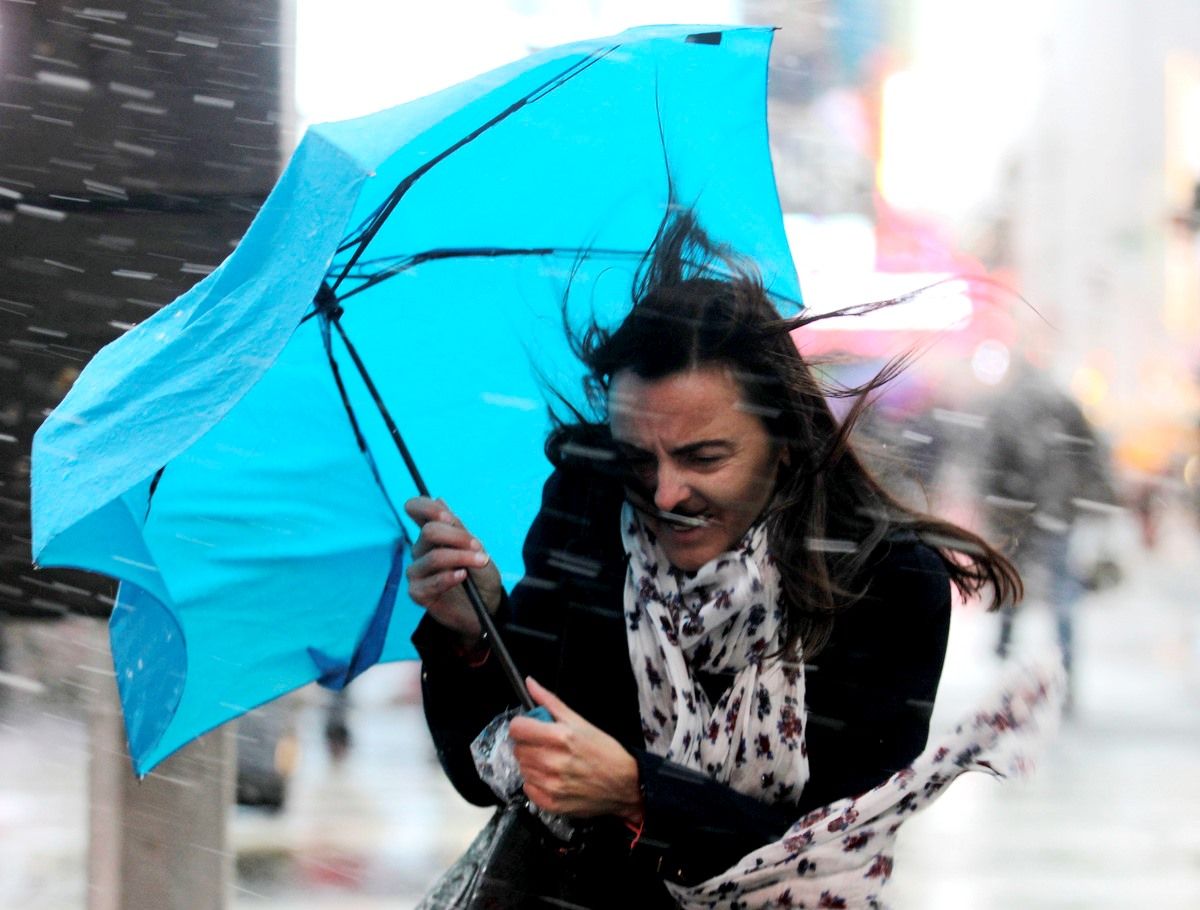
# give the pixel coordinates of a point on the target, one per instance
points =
(869, 693)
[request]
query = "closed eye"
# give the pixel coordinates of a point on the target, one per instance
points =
(703, 456)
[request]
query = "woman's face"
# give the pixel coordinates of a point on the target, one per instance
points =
(697, 452)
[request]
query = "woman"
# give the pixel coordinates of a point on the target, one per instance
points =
(729, 620)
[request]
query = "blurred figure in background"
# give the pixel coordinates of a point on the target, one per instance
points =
(1044, 470)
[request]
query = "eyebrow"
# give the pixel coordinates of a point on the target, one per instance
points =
(690, 449)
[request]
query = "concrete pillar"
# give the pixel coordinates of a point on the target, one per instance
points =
(161, 843)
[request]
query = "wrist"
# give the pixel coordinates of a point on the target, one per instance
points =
(635, 816)
(633, 809)
(474, 650)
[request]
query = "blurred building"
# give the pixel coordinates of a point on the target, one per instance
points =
(135, 146)
(1102, 188)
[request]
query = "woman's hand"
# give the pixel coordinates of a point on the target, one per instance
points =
(572, 767)
(442, 555)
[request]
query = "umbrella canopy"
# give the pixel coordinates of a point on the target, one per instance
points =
(229, 459)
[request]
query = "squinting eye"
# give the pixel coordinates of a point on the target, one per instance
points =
(643, 467)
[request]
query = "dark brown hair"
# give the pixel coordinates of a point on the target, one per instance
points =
(696, 304)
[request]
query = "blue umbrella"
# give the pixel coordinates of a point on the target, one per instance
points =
(235, 461)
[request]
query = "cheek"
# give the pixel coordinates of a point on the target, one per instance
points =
(758, 485)
(746, 491)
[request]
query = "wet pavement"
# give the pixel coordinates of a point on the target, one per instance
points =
(1105, 823)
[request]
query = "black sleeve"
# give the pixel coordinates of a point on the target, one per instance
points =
(870, 693)
(698, 826)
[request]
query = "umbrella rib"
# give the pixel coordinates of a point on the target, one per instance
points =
(412, 261)
(354, 425)
(490, 633)
(385, 210)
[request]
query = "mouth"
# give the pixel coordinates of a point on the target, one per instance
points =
(681, 524)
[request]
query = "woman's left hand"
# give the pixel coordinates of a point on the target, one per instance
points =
(572, 767)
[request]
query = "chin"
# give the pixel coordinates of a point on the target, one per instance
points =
(689, 558)
(685, 564)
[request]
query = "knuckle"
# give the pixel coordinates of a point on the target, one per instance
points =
(438, 559)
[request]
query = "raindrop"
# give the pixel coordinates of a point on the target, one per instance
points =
(112, 39)
(132, 91)
(107, 15)
(213, 101)
(105, 189)
(37, 211)
(197, 40)
(143, 108)
(56, 121)
(62, 80)
(144, 150)
(74, 165)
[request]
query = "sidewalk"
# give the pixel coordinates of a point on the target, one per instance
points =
(1105, 821)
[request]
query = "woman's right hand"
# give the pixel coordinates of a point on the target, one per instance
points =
(442, 555)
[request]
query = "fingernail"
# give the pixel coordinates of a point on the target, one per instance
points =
(481, 559)
(460, 574)
(475, 544)
(445, 516)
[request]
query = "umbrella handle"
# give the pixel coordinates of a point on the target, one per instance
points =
(492, 636)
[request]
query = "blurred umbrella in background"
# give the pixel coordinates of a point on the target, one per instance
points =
(233, 460)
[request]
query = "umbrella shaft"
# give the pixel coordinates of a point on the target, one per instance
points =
(496, 643)
(485, 618)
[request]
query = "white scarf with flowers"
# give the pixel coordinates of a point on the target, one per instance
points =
(724, 618)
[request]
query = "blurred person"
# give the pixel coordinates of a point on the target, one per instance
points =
(731, 622)
(337, 724)
(1044, 470)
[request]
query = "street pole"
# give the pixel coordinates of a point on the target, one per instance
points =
(161, 843)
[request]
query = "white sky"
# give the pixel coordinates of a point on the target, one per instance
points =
(358, 56)
(953, 118)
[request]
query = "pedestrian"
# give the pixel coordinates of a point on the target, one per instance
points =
(730, 621)
(1045, 470)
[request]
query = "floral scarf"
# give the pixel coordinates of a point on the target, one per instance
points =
(841, 855)
(724, 618)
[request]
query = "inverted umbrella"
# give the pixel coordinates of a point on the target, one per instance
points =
(236, 460)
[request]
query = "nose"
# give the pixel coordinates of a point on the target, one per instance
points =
(670, 489)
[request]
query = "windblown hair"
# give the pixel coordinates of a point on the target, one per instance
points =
(696, 304)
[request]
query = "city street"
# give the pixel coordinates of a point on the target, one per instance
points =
(1103, 824)
(826, 271)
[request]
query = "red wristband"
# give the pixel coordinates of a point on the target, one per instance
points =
(476, 655)
(637, 831)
